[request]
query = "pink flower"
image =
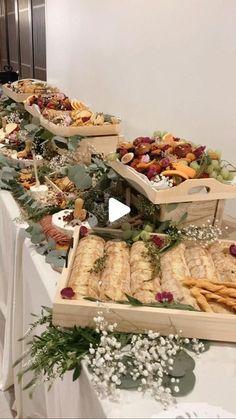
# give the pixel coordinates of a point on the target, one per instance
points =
(164, 297)
(67, 293)
(232, 250)
(83, 231)
(157, 241)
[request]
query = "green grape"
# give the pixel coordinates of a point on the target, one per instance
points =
(194, 165)
(231, 175)
(135, 236)
(149, 228)
(184, 162)
(112, 156)
(127, 234)
(210, 169)
(145, 236)
(157, 134)
(220, 178)
(126, 226)
(224, 173)
(215, 163)
(163, 133)
(214, 174)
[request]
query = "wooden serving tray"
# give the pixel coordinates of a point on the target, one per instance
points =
(206, 189)
(67, 313)
(17, 97)
(86, 131)
(33, 110)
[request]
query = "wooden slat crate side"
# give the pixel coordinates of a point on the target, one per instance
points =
(132, 319)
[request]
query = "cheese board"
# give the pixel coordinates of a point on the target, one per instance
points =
(188, 191)
(85, 131)
(18, 92)
(213, 325)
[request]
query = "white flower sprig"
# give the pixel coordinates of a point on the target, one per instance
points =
(147, 360)
(206, 234)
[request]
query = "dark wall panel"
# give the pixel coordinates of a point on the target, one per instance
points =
(27, 40)
(39, 37)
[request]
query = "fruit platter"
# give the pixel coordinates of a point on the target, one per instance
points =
(63, 116)
(149, 284)
(36, 104)
(21, 89)
(168, 169)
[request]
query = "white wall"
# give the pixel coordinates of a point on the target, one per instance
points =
(159, 64)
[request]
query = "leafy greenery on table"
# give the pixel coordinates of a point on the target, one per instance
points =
(58, 350)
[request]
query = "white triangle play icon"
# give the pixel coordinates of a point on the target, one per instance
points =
(117, 210)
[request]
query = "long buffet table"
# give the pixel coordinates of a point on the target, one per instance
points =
(27, 283)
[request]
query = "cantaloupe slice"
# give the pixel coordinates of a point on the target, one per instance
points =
(189, 171)
(10, 127)
(175, 173)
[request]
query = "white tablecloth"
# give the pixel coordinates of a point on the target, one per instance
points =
(11, 240)
(215, 370)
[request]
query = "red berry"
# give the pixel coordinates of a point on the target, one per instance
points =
(232, 250)
(83, 231)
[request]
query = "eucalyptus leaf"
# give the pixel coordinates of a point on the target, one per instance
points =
(112, 174)
(104, 182)
(171, 207)
(133, 301)
(77, 371)
(4, 185)
(100, 164)
(46, 135)
(37, 238)
(127, 383)
(183, 363)
(163, 226)
(78, 175)
(183, 217)
(42, 250)
(60, 142)
(185, 385)
(31, 128)
(73, 142)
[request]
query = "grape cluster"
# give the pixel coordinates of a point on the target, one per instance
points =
(215, 169)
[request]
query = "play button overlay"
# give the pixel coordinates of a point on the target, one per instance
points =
(117, 210)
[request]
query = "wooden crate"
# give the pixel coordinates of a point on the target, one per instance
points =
(191, 190)
(196, 213)
(67, 313)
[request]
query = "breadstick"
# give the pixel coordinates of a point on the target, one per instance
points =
(201, 300)
(202, 283)
(221, 300)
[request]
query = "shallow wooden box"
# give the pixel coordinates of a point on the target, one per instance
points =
(67, 313)
(188, 191)
(87, 131)
(18, 97)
